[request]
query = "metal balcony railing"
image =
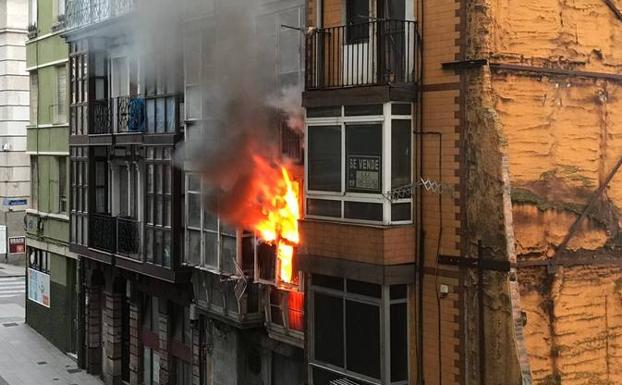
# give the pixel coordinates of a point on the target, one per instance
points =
(133, 114)
(381, 52)
(102, 232)
(100, 119)
(115, 235)
(82, 13)
(128, 237)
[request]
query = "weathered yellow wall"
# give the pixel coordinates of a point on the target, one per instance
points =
(584, 32)
(562, 135)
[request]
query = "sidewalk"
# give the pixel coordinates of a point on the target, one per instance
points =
(11, 270)
(26, 358)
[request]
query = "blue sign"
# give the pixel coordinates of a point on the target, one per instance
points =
(18, 202)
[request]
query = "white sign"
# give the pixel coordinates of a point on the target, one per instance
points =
(39, 287)
(2, 239)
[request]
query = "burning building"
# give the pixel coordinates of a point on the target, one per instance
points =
(411, 224)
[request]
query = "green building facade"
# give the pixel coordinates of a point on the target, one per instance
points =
(51, 303)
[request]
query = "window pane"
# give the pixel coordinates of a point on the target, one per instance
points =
(325, 158)
(211, 249)
(401, 108)
(365, 109)
(149, 244)
(364, 158)
(399, 343)
(170, 114)
(398, 291)
(357, 17)
(363, 338)
(210, 221)
(194, 210)
(228, 253)
(364, 288)
(401, 159)
(324, 208)
(335, 283)
(328, 329)
(167, 246)
(194, 183)
(363, 211)
(193, 253)
(323, 112)
(401, 212)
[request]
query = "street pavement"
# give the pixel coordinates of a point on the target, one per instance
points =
(26, 358)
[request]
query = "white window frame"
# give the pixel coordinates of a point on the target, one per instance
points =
(219, 269)
(343, 196)
(384, 304)
(133, 170)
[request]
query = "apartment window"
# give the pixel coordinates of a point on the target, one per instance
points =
(79, 180)
(60, 102)
(209, 241)
(357, 19)
(125, 182)
(158, 238)
(120, 79)
(79, 76)
(286, 311)
(34, 97)
(151, 365)
(62, 184)
(34, 182)
(39, 260)
(183, 372)
(101, 180)
(354, 159)
(349, 335)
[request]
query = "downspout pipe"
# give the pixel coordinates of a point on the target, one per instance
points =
(420, 233)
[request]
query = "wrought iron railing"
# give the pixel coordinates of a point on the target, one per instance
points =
(380, 52)
(129, 114)
(102, 232)
(115, 235)
(128, 237)
(100, 122)
(135, 114)
(82, 13)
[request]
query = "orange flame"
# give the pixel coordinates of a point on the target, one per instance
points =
(281, 212)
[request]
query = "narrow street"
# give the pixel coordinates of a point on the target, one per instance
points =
(26, 358)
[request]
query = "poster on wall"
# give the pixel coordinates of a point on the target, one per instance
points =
(17, 245)
(39, 287)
